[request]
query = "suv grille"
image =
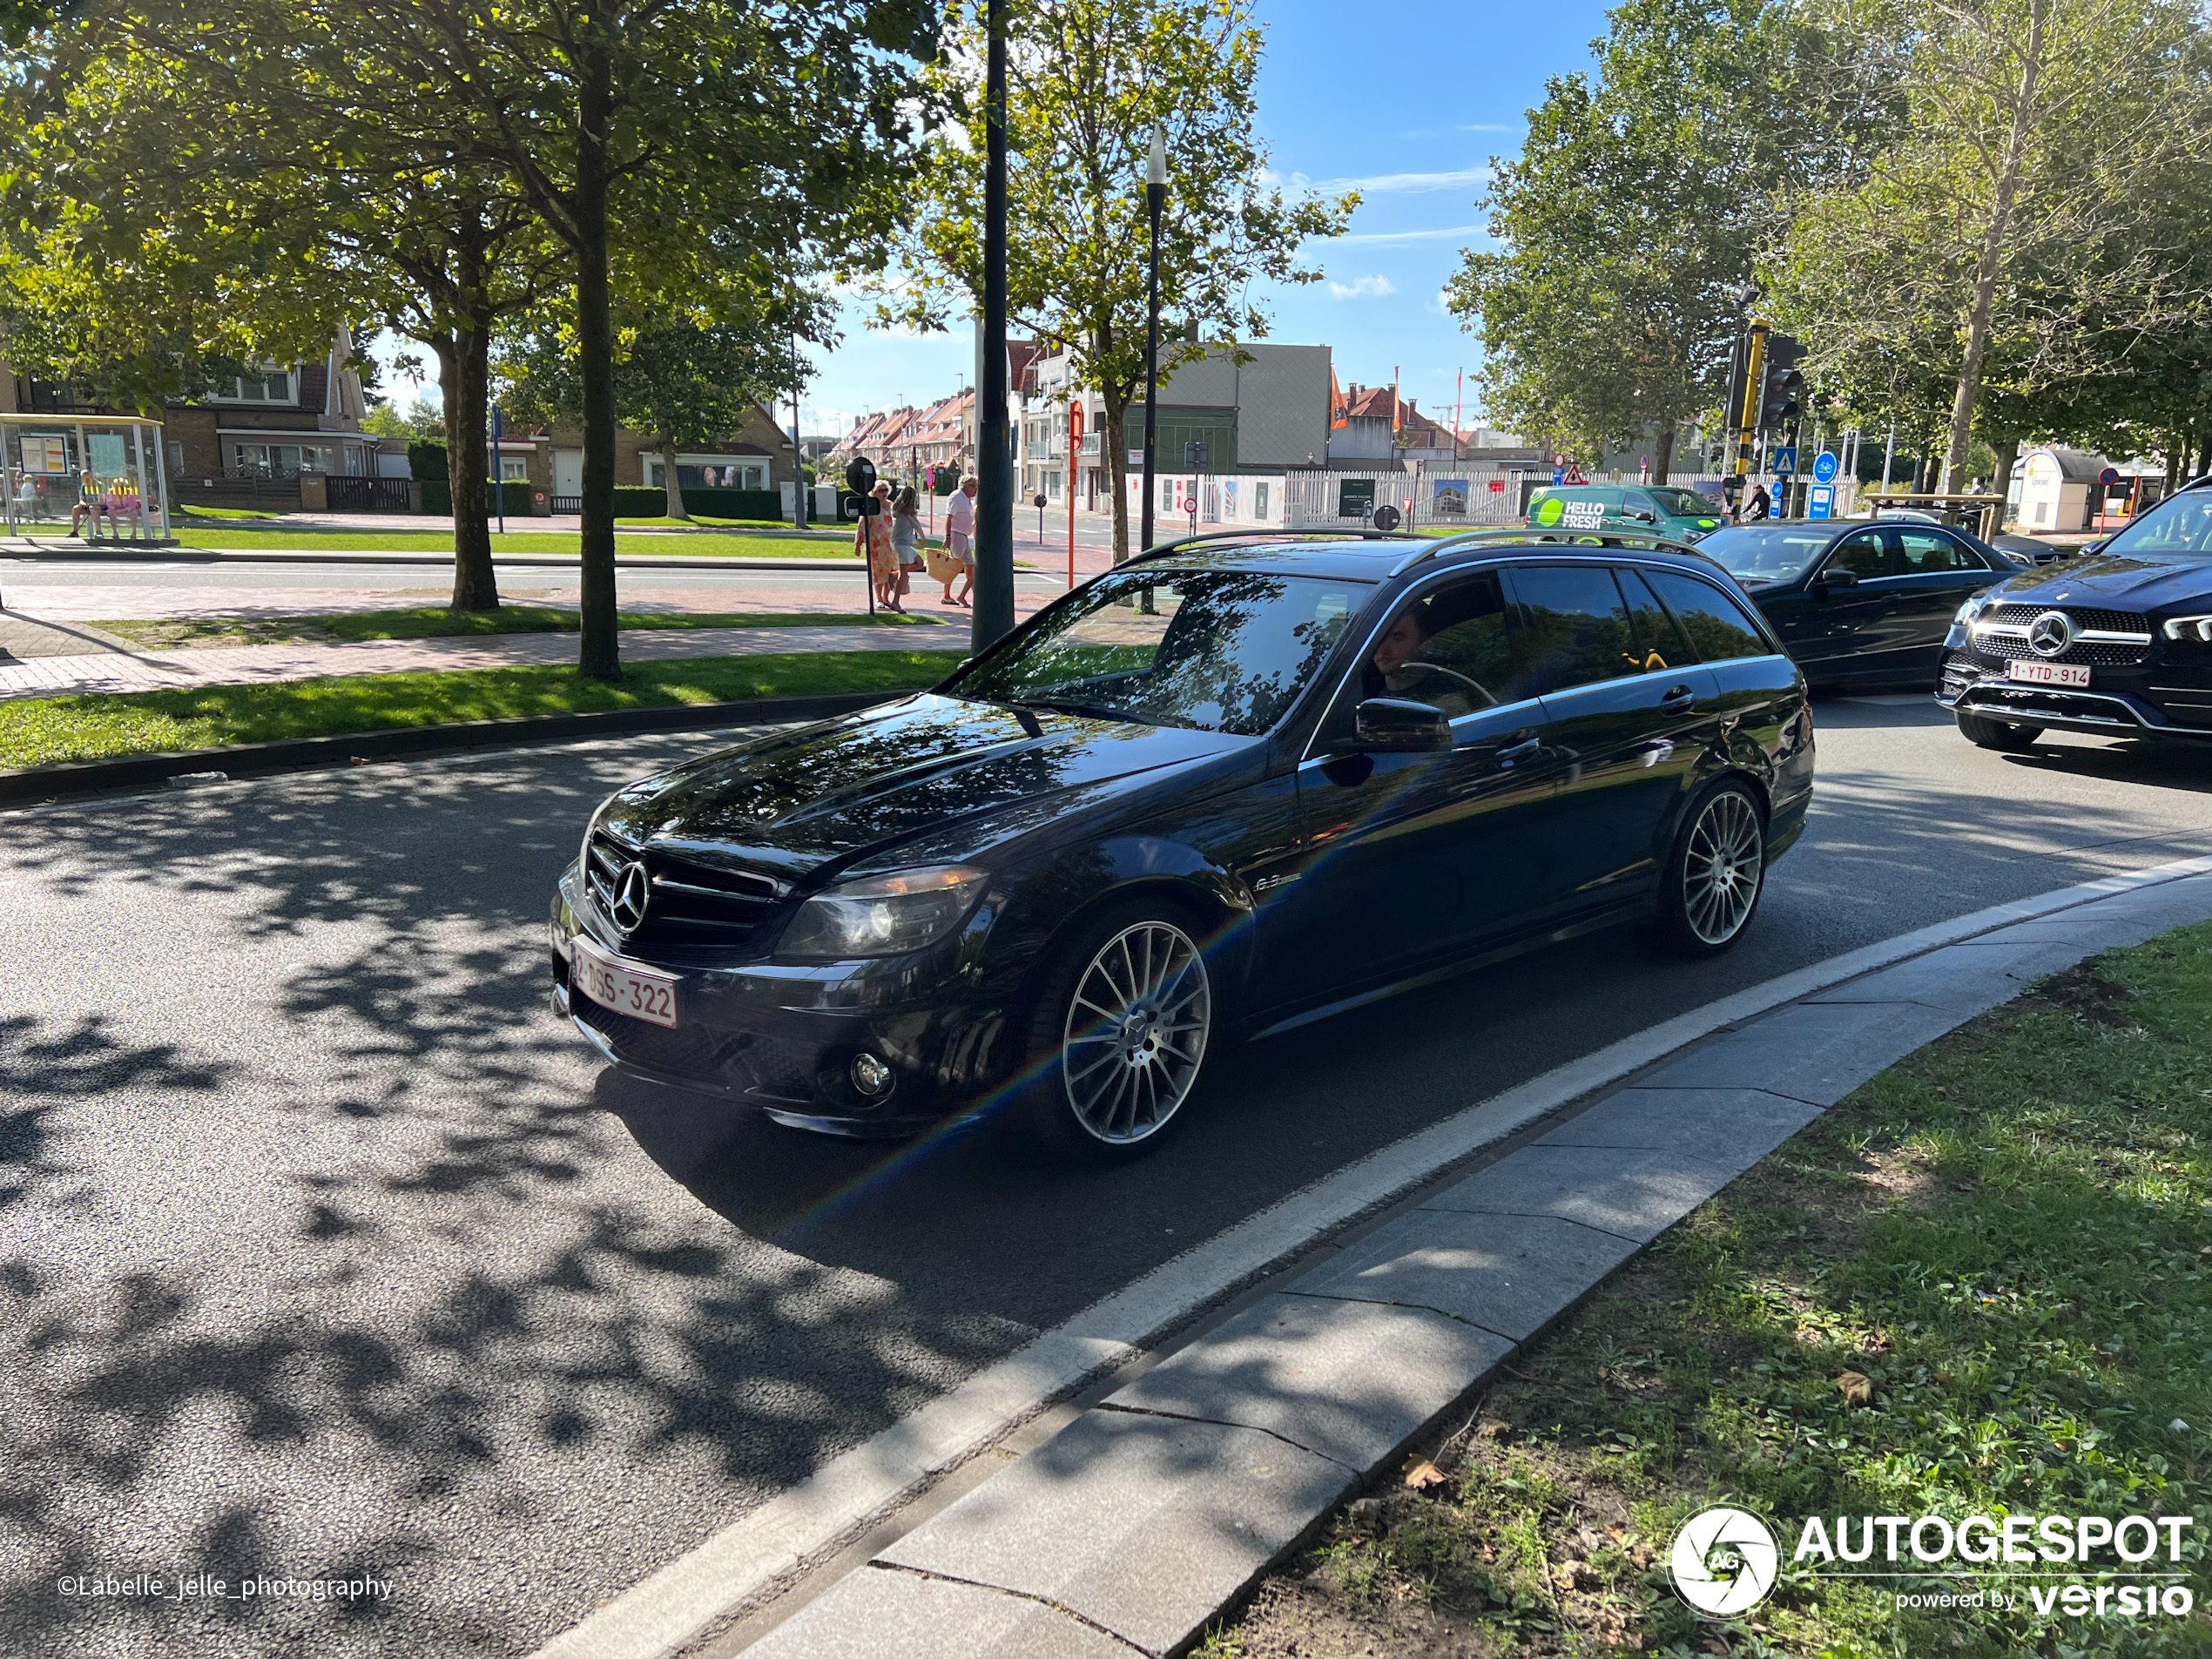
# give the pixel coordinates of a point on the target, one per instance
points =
(690, 906)
(2094, 652)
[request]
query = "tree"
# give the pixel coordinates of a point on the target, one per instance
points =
(1637, 206)
(261, 171)
(2014, 219)
(685, 381)
(714, 133)
(1087, 81)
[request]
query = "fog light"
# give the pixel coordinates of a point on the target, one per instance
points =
(871, 1076)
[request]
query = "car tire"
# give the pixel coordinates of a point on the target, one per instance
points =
(1118, 1033)
(1715, 873)
(2000, 735)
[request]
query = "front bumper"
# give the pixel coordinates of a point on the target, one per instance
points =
(783, 1037)
(2152, 700)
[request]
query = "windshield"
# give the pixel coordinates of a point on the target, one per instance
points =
(1778, 554)
(2179, 524)
(1684, 503)
(1217, 650)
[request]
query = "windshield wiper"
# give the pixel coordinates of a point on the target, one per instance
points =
(1019, 711)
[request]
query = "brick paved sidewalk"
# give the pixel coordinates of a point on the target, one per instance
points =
(254, 665)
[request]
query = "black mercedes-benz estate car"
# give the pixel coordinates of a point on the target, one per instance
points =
(1858, 603)
(1232, 785)
(2117, 641)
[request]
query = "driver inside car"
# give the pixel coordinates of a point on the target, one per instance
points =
(1404, 662)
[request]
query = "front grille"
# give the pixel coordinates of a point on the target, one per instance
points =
(692, 909)
(2096, 653)
(1958, 672)
(2115, 622)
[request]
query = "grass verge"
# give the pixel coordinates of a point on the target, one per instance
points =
(703, 546)
(1982, 1284)
(36, 730)
(436, 622)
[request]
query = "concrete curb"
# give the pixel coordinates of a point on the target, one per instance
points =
(36, 786)
(1154, 1513)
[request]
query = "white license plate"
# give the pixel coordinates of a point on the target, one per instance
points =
(2048, 673)
(615, 984)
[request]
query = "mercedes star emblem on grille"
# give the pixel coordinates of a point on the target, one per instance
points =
(631, 896)
(2050, 633)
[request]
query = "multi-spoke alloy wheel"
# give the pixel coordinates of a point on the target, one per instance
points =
(1137, 1019)
(1715, 873)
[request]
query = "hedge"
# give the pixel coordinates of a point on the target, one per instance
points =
(437, 496)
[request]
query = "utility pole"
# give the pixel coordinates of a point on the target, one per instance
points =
(1747, 428)
(993, 437)
(1156, 195)
(798, 449)
(1889, 453)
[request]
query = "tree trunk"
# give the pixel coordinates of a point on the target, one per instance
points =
(1988, 266)
(2001, 481)
(599, 646)
(1662, 454)
(1117, 447)
(465, 375)
(669, 480)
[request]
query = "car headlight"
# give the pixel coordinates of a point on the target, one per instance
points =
(1974, 607)
(2189, 627)
(883, 914)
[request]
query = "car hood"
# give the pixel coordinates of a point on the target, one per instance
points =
(868, 781)
(2136, 582)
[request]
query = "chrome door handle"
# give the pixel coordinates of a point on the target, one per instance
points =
(1521, 751)
(1682, 697)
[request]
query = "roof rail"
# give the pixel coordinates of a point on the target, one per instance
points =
(1160, 549)
(1517, 536)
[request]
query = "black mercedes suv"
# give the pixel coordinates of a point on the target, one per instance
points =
(2117, 641)
(1232, 785)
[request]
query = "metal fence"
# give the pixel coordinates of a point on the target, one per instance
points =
(352, 494)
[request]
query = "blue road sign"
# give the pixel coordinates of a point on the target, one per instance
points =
(1824, 467)
(1820, 500)
(1782, 460)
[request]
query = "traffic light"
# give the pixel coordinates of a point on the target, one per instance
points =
(1783, 397)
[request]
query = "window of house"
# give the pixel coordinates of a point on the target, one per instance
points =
(515, 469)
(270, 386)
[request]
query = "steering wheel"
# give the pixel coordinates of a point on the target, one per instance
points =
(1442, 672)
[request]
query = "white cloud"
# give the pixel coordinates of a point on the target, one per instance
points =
(1437, 234)
(1383, 183)
(1490, 126)
(1365, 288)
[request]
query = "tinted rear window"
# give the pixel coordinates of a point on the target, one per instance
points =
(1717, 626)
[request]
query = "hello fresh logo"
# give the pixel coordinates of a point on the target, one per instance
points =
(1725, 1560)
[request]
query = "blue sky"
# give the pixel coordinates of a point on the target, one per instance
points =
(1407, 103)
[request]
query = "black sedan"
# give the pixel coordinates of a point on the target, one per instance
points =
(2118, 642)
(1858, 604)
(1223, 789)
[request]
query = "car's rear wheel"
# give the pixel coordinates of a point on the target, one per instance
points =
(1715, 873)
(1119, 1033)
(1997, 734)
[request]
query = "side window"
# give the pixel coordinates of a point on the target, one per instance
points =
(1866, 555)
(1658, 636)
(1716, 623)
(1927, 552)
(1634, 501)
(1454, 648)
(1577, 627)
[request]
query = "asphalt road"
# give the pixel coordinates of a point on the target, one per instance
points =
(325, 1250)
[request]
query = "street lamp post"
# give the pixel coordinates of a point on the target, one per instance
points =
(1156, 195)
(993, 600)
(798, 448)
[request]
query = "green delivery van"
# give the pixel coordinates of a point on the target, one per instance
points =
(1663, 510)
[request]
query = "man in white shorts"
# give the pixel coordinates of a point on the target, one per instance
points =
(960, 537)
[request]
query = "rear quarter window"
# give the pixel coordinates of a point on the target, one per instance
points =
(1717, 625)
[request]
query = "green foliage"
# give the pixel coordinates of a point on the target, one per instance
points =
(37, 730)
(1638, 202)
(1087, 82)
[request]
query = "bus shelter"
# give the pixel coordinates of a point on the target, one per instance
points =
(87, 471)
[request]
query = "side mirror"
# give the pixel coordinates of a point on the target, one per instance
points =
(1832, 579)
(1644, 518)
(1394, 724)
